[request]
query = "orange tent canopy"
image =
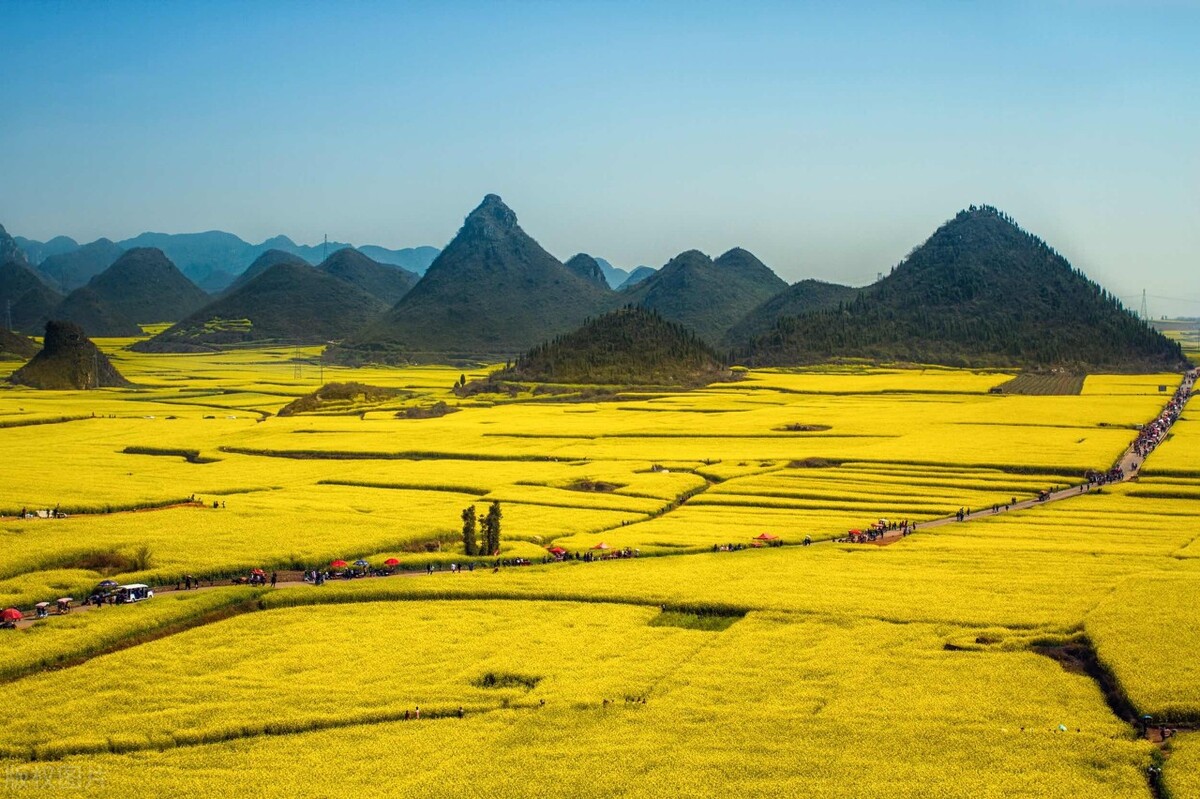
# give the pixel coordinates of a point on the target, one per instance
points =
(766, 537)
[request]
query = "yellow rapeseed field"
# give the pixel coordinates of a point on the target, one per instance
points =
(706, 665)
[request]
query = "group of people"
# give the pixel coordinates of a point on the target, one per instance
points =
(875, 531)
(606, 554)
(43, 513)
(1152, 434)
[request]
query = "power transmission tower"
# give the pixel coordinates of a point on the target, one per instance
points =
(1145, 311)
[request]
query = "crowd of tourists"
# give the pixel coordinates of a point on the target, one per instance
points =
(875, 532)
(1153, 433)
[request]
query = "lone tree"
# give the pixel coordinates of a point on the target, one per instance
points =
(491, 529)
(470, 545)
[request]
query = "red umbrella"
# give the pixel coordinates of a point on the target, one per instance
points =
(391, 562)
(258, 572)
(11, 614)
(557, 551)
(766, 537)
(339, 564)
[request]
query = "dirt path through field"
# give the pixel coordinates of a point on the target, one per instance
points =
(1129, 463)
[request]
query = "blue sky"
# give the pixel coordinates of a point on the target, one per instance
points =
(827, 138)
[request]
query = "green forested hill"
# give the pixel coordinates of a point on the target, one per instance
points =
(493, 292)
(386, 283)
(629, 346)
(706, 296)
(291, 303)
(797, 299)
(979, 291)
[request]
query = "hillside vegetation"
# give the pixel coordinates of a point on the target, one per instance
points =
(706, 296)
(493, 292)
(627, 346)
(290, 303)
(979, 291)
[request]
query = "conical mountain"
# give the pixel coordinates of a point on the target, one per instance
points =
(798, 298)
(262, 263)
(68, 271)
(628, 346)
(144, 286)
(288, 303)
(68, 360)
(386, 283)
(979, 291)
(492, 292)
(97, 316)
(23, 296)
(587, 268)
(706, 296)
(14, 345)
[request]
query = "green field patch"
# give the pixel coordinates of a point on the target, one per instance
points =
(189, 455)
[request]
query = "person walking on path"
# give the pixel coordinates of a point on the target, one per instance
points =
(274, 578)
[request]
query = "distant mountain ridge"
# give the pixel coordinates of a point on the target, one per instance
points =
(214, 259)
(68, 271)
(38, 251)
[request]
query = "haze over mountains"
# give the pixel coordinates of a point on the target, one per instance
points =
(214, 259)
(979, 291)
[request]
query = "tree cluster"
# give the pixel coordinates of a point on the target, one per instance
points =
(488, 527)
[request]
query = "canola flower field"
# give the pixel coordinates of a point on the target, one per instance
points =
(1000, 657)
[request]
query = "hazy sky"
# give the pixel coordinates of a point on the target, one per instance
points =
(827, 138)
